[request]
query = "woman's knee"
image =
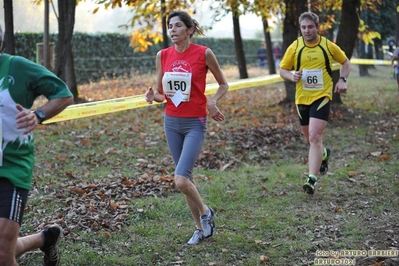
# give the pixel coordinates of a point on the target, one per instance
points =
(182, 182)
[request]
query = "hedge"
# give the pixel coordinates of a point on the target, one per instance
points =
(110, 55)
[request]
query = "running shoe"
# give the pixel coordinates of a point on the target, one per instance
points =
(208, 223)
(324, 163)
(310, 184)
(197, 237)
(52, 235)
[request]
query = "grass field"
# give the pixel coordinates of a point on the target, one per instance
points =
(107, 180)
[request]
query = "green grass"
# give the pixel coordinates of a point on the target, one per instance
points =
(261, 208)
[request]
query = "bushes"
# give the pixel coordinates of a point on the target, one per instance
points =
(110, 55)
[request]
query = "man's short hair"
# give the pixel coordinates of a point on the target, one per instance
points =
(310, 16)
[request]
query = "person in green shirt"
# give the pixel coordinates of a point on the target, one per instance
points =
(21, 81)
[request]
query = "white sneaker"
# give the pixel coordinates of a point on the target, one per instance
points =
(197, 237)
(208, 223)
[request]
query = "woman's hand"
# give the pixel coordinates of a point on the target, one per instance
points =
(214, 112)
(149, 95)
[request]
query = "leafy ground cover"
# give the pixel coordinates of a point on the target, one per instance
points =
(108, 182)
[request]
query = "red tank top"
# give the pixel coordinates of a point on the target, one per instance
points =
(190, 61)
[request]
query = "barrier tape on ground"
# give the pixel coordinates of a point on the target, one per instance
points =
(120, 104)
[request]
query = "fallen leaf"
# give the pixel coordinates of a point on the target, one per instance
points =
(384, 157)
(337, 209)
(264, 258)
(351, 173)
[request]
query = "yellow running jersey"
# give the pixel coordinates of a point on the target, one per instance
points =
(315, 62)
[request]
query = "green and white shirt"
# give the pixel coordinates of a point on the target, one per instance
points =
(21, 81)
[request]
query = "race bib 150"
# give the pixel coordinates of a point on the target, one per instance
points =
(177, 81)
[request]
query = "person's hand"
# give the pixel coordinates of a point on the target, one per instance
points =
(297, 76)
(25, 119)
(340, 87)
(214, 112)
(149, 95)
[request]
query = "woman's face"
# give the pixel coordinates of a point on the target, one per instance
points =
(178, 31)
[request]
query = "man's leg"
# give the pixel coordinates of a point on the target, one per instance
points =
(12, 204)
(12, 246)
(316, 130)
(28, 243)
(8, 241)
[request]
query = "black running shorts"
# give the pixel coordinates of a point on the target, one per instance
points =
(12, 201)
(318, 109)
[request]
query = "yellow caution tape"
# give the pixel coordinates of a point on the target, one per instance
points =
(360, 61)
(98, 108)
(120, 104)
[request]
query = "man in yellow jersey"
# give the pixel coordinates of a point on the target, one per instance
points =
(311, 56)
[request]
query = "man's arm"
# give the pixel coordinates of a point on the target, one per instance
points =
(344, 72)
(345, 68)
(289, 76)
(27, 120)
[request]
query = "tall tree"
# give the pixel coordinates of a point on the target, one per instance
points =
(9, 43)
(148, 16)
(240, 54)
(370, 16)
(64, 64)
(293, 9)
(266, 9)
(269, 46)
(46, 34)
(164, 26)
(347, 34)
(236, 8)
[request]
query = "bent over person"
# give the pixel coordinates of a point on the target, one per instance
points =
(311, 56)
(21, 81)
(181, 80)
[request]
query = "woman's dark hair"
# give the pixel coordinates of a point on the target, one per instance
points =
(187, 20)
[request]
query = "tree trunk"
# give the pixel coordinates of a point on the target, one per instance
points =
(269, 47)
(290, 33)
(239, 47)
(64, 64)
(378, 49)
(363, 69)
(347, 35)
(46, 34)
(9, 41)
(164, 26)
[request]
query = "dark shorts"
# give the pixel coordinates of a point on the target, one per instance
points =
(12, 201)
(318, 109)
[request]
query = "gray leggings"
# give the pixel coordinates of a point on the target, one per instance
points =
(185, 136)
